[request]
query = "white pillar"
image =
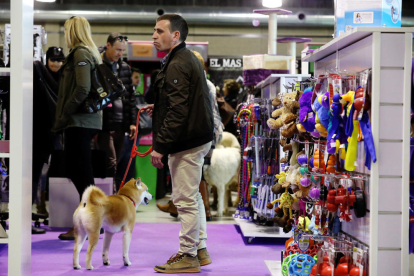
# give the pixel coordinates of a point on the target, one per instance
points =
(272, 43)
(21, 113)
(292, 52)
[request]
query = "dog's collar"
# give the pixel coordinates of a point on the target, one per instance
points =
(130, 199)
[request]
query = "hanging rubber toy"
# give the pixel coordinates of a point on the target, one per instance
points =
(351, 131)
(365, 126)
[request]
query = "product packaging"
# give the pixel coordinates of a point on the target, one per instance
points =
(367, 13)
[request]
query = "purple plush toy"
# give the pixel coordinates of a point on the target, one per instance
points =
(306, 114)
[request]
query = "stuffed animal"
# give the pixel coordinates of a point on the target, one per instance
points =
(306, 113)
(286, 201)
(286, 147)
(295, 148)
(293, 174)
(303, 223)
(321, 108)
(276, 102)
(287, 115)
(281, 177)
(334, 124)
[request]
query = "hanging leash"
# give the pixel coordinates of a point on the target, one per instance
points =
(134, 151)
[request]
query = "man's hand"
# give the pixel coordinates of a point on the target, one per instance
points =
(156, 159)
(149, 108)
(132, 130)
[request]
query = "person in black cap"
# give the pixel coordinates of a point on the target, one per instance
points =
(54, 60)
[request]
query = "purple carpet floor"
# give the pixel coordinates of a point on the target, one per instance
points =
(152, 244)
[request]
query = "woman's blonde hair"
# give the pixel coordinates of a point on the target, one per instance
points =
(78, 32)
(200, 58)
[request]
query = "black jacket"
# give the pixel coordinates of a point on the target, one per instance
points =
(128, 99)
(182, 117)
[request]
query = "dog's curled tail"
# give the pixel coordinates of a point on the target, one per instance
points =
(93, 195)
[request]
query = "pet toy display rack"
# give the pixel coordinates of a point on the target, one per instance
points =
(262, 109)
(387, 52)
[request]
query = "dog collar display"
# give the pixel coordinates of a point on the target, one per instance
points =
(130, 199)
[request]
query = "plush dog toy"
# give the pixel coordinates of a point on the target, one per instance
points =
(321, 107)
(306, 113)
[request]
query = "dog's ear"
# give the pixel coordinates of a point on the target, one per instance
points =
(138, 183)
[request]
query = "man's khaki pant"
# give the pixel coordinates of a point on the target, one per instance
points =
(186, 168)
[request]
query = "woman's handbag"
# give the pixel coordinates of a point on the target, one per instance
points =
(105, 88)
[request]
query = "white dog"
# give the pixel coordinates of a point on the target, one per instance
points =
(223, 169)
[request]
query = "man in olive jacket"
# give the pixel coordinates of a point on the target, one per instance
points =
(182, 128)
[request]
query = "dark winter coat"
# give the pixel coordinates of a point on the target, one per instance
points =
(128, 99)
(182, 117)
(74, 88)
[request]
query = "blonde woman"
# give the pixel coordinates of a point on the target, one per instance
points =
(74, 87)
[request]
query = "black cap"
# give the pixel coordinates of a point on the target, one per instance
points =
(55, 53)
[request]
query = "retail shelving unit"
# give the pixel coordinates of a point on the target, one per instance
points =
(21, 110)
(275, 84)
(270, 87)
(388, 52)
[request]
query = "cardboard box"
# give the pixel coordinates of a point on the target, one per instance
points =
(367, 13)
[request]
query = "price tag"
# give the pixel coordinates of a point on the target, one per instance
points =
(303, 244)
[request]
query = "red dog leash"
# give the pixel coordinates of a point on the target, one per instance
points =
(134, 151)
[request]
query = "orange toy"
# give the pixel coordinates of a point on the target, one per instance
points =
(355, 272)
(341, 269)
(331, 164)
(289, 242)
(327, 271)
(344, 259)
(318, 162)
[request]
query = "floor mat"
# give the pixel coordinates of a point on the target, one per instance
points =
(152, 244)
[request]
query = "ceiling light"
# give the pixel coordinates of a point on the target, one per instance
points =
(48, 1)
(272, 3)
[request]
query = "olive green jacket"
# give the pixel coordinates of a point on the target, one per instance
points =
(74, 87)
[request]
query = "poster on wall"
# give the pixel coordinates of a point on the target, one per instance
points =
(221, 68)
(39, 40)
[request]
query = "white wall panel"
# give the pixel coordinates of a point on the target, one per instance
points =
(390, 159)
(390, 91)
(390, 122)
(389, 229)
(389, 195)
(392, 50)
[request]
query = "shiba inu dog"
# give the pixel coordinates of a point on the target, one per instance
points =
(113, 213)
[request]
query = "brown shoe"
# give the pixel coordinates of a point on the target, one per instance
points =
(68, 236)
(180, 264)
(168, 208)
(203, 257)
